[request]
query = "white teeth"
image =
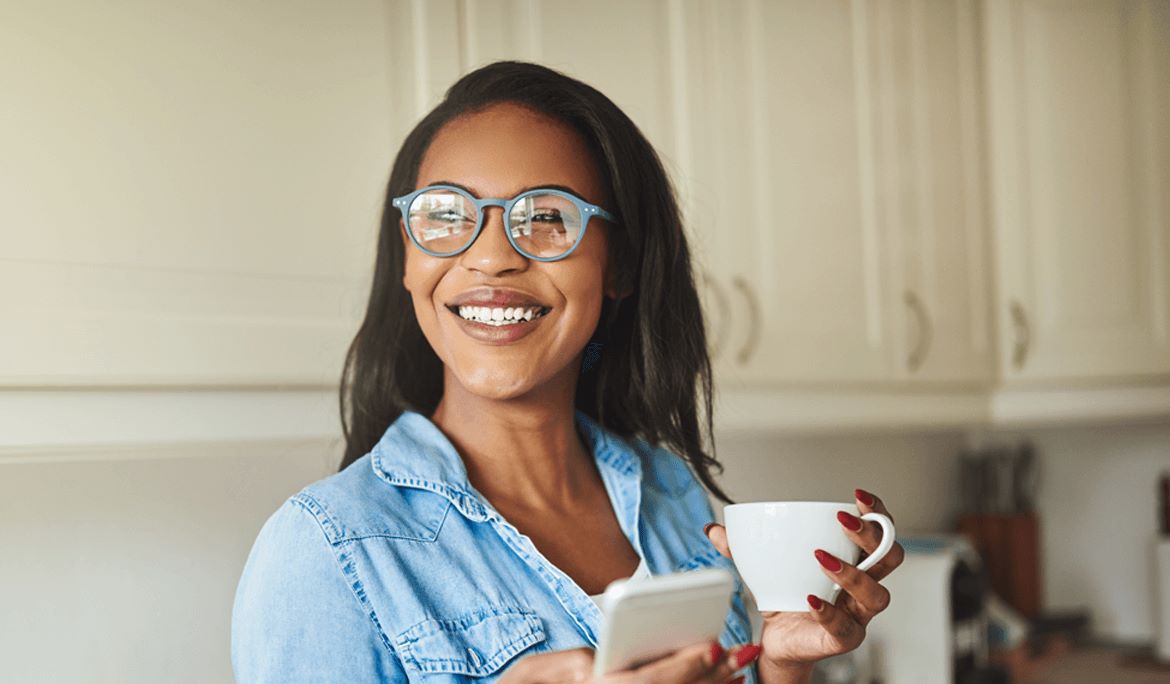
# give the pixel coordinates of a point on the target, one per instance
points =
(498, 315)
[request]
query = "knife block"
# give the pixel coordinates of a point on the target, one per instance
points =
(1009, 545)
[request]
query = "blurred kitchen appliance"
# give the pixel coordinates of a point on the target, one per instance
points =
(999, 492)
(935, 629)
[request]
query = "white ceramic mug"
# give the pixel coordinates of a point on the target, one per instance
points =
(772, 544)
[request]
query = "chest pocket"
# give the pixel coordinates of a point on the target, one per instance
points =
(477, 644)
(736, 626)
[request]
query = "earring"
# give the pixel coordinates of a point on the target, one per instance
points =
(592, 356)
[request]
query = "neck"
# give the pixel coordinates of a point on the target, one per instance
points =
(522, 451)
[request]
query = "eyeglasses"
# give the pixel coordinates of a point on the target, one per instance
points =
(544, 224)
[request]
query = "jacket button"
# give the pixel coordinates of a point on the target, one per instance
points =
(475, 659)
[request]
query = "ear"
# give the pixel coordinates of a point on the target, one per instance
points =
(612, 285)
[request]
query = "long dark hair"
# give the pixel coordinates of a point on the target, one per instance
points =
(652, 379)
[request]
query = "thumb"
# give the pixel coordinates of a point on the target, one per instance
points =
(717, 535)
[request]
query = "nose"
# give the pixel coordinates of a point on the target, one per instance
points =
(491, 253)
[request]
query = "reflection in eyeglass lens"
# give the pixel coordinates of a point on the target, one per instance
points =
(442, 220)
(545, 225)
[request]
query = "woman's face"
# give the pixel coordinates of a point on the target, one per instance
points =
(499, 152)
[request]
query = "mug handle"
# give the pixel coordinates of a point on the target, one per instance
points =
(887, 543)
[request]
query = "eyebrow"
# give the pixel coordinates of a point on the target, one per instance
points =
(542, 186)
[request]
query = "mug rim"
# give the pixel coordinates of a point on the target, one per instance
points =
(748, 504)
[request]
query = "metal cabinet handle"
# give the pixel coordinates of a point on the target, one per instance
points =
(925, 332)
(723, 304)
(1023, 335)
(745, 353)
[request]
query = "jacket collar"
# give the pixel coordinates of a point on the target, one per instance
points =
(414, 452)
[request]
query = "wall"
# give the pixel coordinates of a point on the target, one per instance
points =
(121, 565)
(1097, 503)
(915, 474)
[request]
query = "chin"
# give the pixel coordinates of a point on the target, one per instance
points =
(490, 383)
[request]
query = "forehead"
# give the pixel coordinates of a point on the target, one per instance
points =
(499, 151)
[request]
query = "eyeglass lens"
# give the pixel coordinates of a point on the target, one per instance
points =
(541, 225)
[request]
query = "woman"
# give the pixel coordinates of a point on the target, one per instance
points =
(522, 414)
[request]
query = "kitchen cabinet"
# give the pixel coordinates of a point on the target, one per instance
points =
(930, 173)
(840, 147)
(1079, 114)
(784, 194)
(184, 210)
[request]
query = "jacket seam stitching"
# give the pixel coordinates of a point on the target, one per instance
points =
(403, 537)
(362, 603)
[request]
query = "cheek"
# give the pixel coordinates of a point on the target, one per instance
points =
(420, 274)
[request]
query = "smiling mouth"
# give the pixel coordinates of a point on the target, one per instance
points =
(499, 316)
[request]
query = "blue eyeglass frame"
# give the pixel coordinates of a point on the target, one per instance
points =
(585, 209)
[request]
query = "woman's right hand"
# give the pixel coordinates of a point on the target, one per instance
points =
(705, 662)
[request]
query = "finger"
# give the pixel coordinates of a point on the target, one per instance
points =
(842, 632)
(702, 662)
(717, 535)
(871, 534)
(868, 535)
(868, 597)
(868, 502)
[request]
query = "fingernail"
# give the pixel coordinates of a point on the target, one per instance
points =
(863, 496)
(746, 655)
(850, 521)
(739, 680)
(816, 603)
(716, 653)
(707, 528)
(828, 561)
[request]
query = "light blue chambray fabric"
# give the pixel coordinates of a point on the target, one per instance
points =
(396, 569)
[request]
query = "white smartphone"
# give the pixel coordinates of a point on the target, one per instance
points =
(645, 619)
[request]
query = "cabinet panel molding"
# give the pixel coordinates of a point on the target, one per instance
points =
(1080, 135)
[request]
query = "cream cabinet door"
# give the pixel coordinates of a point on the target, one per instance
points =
(190, 193)
(1080, 131)
(784, 191)
(930, 168)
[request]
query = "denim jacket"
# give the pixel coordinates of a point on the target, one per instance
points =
(396, 569)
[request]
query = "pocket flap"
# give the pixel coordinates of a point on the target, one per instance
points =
(475, 644)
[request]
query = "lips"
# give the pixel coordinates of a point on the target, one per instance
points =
(497, 315)
(492, 297)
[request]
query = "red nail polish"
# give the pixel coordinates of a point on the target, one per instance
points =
(850, 521)
(739, 680)
(716, 652)
(816, 603)
(707, 528)
(828, 561)
(746, 655)
(863, 496)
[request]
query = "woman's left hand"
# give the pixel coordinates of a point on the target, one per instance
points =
(793, 641)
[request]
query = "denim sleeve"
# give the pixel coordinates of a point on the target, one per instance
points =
(295, 618)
